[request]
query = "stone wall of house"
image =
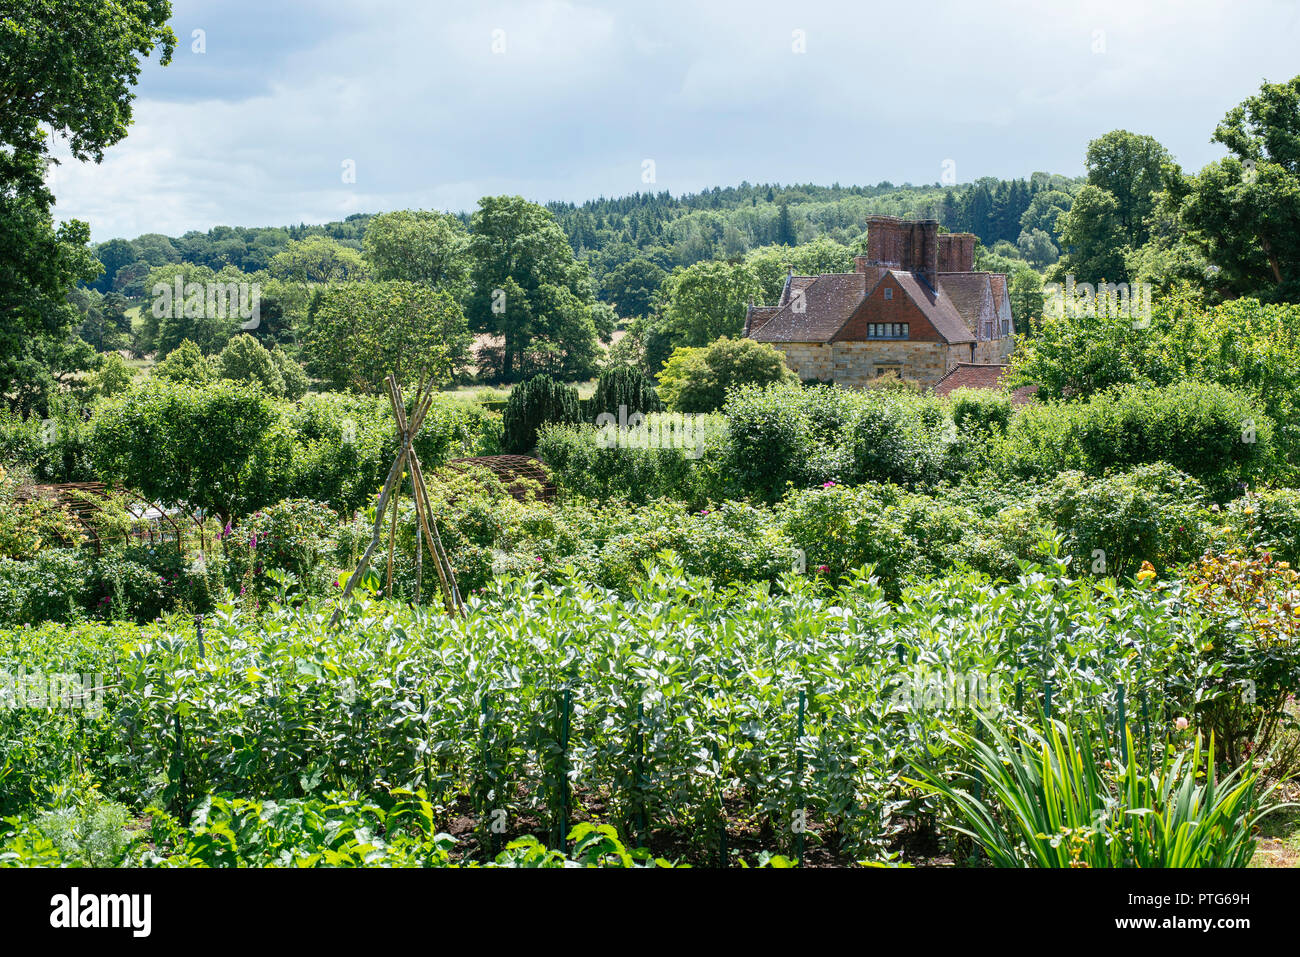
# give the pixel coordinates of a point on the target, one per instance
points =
(995, 350)
(854, 364)
(956, 354)
(988, 351)
(808, 360)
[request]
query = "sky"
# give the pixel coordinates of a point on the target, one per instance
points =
(284, 111)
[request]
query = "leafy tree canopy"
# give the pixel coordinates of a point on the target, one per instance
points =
(68, 65)
(529, 290)
(697, 379)
(359, 332)
(418, 246)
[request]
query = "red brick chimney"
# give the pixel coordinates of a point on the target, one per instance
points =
(912, 243)
(957, 252)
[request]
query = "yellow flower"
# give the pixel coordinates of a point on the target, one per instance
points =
(1147, 572)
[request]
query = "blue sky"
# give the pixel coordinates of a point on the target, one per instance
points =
(576, 96)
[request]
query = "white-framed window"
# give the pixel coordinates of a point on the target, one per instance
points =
(889, 292)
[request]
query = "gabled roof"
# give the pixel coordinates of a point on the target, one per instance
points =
(826, 304)
(757, 316)
(937, 307)
(969, 291)
(829, 301)
(794, 283)
(1002, 297)
(998, 282)
(974, 375)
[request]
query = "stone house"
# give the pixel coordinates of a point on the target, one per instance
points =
(913, 306)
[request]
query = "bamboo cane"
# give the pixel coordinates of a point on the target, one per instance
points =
(446, 590)
(407, 430)
(374, 539)
(420, 494)
(392, 528)
(441, 551)
(435, 543)
(419, 548)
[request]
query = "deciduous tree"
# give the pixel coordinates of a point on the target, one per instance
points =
(358, 333)
(69, 66)
(527, 288)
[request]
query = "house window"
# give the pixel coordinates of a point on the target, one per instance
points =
(889, 293)
(1006, 327)
(895, 370)
(887, 330)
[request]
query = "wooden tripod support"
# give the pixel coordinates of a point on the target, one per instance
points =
(426, 535)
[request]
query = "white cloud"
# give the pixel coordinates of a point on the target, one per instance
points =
(254, 131)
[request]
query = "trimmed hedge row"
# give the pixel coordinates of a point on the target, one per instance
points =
(778, 438)
(231, 450)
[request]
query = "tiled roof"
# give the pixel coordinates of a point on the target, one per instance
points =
(972, 375)
(829, 300)
(757, 316)
(826, 305)
(967, 290)
(792, 284)
(998, 282)
(1002, 298)
(937, 306)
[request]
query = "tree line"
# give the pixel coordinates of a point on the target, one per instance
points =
(544, 288)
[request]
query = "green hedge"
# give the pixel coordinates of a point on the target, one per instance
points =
(231, 450)
(780, 437)
(638, 465)
(1219, 436)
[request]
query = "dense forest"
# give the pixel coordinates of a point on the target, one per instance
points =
(718, 223)
(633, 256)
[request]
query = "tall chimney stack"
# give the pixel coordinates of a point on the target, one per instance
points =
(957, 252)
(911, 243)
